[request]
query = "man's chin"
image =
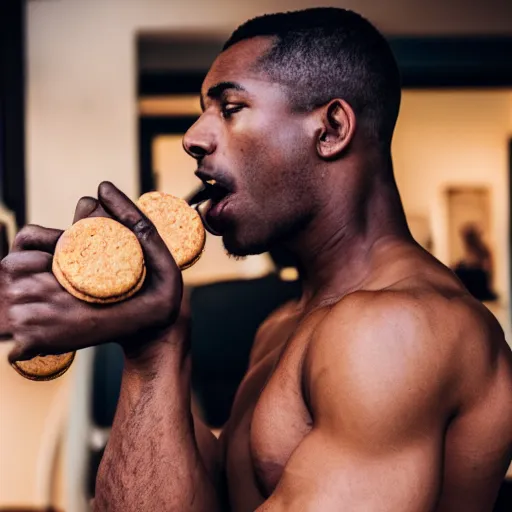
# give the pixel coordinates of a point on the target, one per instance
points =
(241, 249)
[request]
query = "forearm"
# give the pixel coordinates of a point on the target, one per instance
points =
(152, 461)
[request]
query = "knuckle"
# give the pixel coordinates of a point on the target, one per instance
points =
(20, 316)
(26, 232)
(25, 236)
(14, 293)
(21, 238)
(14, 318)
(144, 229)
(26, 339)
(5, 265)
(43, 282)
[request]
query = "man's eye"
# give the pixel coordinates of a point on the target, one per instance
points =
(230, 109)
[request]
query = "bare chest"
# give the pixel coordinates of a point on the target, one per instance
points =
(269, 420)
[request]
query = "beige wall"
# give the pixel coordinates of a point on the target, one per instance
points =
(455, 138)
(81, 129)
(32, 420)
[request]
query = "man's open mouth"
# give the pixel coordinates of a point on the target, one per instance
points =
(215, 188)
(216, 193)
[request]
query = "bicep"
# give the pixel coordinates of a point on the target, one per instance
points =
(377, 399)
(327, 474)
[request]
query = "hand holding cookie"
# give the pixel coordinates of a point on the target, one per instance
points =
(80, 304)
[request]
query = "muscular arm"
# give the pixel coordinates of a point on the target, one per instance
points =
(379, 417)
(153, 461)
(157, 457)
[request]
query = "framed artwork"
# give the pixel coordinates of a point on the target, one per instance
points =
(468, 210)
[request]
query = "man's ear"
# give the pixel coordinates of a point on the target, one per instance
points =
(338, 124)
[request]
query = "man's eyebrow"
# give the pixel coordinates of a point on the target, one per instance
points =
(216, 91)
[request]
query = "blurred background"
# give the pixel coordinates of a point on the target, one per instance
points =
(105, 89)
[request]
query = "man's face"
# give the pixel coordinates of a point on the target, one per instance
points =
(257, 149)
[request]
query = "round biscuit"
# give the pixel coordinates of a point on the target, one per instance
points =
(99, 260)
(61, 278)
(178, 224)
(44, 367)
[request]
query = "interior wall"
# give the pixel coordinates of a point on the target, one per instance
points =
(32, 421)
(446, 138)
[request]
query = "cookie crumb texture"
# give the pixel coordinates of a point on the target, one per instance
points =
(178, 224)
(44, 367)
(99, 258)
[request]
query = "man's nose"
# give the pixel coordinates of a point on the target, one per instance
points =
(198, 143)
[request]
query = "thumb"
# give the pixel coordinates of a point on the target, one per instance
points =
(124, 211)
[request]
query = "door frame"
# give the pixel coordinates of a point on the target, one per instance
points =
(151, 127)
(12, 107)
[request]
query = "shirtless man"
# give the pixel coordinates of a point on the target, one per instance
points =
(387, 387)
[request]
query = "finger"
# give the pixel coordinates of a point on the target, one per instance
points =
(100, 212)
(36, 238)
(125, 211)
(19, 318)
(16, 353)
(88, 207)
(38, 287)
(35, 314)
(21, 351)
(84, 207)
(26, 262)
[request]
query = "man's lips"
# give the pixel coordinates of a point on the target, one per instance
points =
(199, 197)
(211, 215)
(210, 192)
(216, 214)
(217, 191)
(217, 205)
(216, 182)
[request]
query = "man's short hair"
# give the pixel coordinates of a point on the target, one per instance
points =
(325, 53)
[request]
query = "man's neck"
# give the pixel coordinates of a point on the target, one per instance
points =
(338, 250)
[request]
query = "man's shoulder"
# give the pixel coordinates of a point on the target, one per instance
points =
(371, 321)
(409, 338)
(417, 312)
